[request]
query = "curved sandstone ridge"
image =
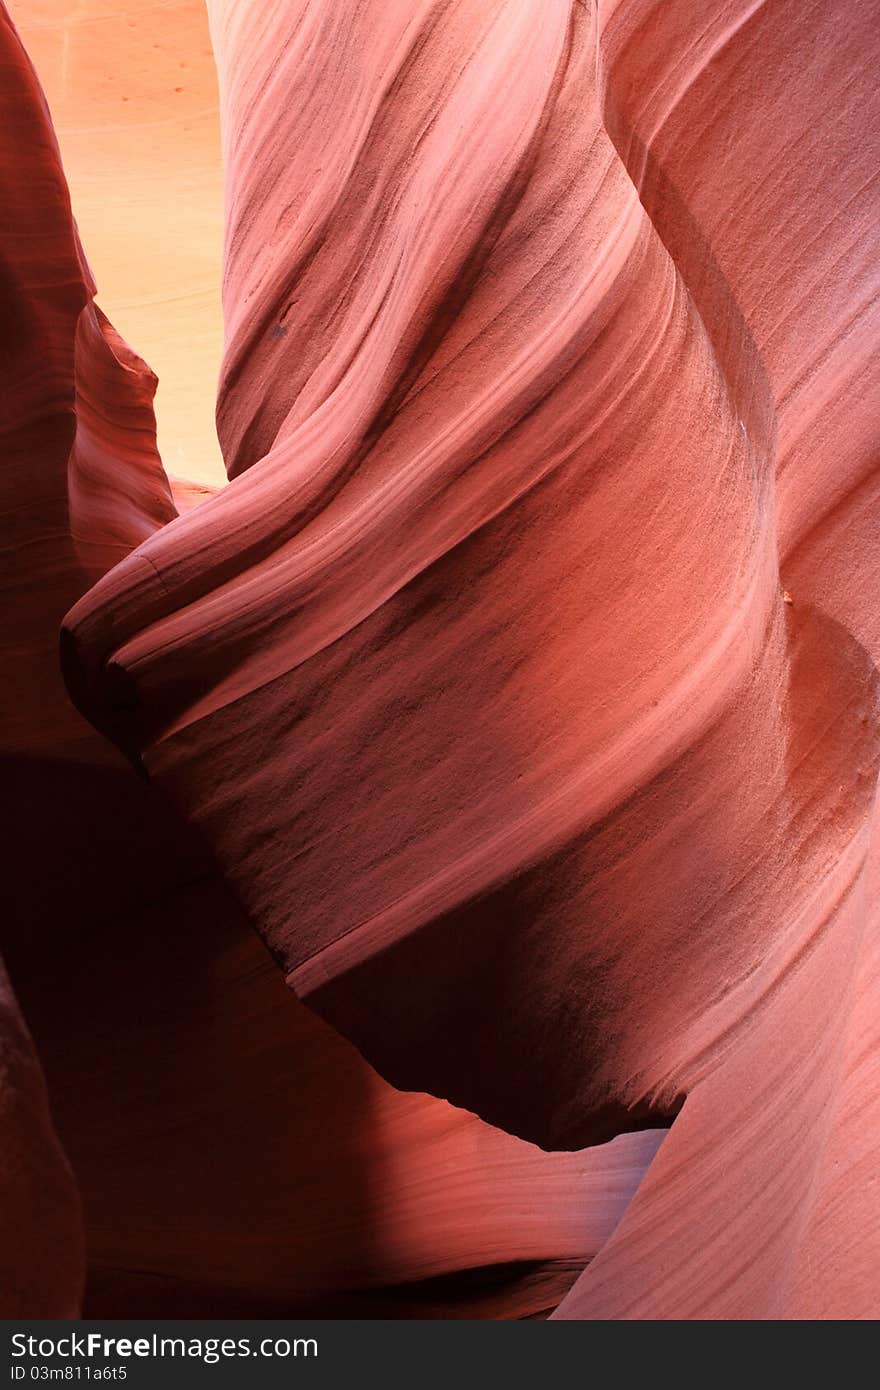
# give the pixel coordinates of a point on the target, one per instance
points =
(133, 94)
(75, 424)
(550, 337)
(479, 679)
(196, 1100)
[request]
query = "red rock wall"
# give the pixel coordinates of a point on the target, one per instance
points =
(521, 686)
(196, 1099)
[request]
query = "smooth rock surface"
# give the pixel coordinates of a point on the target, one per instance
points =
(480, 679)
(520, 689)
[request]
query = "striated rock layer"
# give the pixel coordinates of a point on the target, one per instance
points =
(479, 680)
(550, 360)
(233, 1154)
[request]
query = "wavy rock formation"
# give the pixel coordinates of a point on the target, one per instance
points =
(133, 93)
(181, 1070)
(75, 423)
(550, 336)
